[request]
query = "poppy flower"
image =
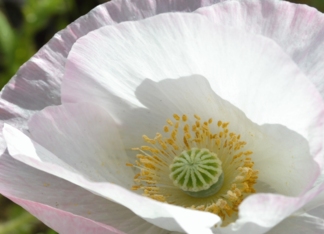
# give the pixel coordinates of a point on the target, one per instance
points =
(171, 116)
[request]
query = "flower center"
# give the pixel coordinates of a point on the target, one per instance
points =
(198, 165)
(198, 172)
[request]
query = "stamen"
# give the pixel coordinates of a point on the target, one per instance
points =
(197, 164)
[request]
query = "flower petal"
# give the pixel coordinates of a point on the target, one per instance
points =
(298, 29)
(260, 212)
(18, 180)
(318, 201)
(85, 138)
(37, 83)
(245, 69)
(19, 145)
(278, 153)
(62, 221)
(299, 225)
(169, 217)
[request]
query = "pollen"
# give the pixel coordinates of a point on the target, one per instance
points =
(198, 164)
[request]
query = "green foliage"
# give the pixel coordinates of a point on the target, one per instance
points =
(18, 44)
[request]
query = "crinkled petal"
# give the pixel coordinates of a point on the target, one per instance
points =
(298, 29)
(261, 212)
(319, 199)
(19, 144)
(19, 180)
(278, 153)
(85, 138)
(61, 221)
(299, 225)
(169, 217)
(37, 84)
(244, 69)
(311, 222)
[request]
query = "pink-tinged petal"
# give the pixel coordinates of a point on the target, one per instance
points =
(244, 69)
(258, 212)
(319, 199)
(318, 214)
(84, 137)
(261, 212)
(22, 181)
(37, 83)
(61, 221)
(299, 225)
(298, 29)
(12, 115)
(274, 147)
(169, 217)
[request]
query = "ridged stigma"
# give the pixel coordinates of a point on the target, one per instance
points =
(198, 172)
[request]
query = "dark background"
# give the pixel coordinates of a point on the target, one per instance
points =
(25, 26)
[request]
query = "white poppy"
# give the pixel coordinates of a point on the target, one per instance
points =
(208, 118)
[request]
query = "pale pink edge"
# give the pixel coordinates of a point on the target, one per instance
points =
(62, 221)
(47, 65)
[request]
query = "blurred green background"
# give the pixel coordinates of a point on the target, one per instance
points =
(25, 26)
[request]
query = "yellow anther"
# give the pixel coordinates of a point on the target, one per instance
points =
(224, 125)
(187, 135)
(186, 128)
(185, 141)
(217, 142)
(148, 140)
(158, 136)
(154, 160)
(176, 117)
(144, 147)
(135, 187)
(248, 152)
(174, 134)
(170, 141)
(166, 129)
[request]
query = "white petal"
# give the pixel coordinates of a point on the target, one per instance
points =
(18, 180)
(62, 221)
(312, 222)
(169, 217)
(277, 178)
(85, 138)
(245, 69)
(259, 213)
(279, 154)
(319, 199)
(298, 29)
(37, 83)
(283, 160)
(299, 225)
